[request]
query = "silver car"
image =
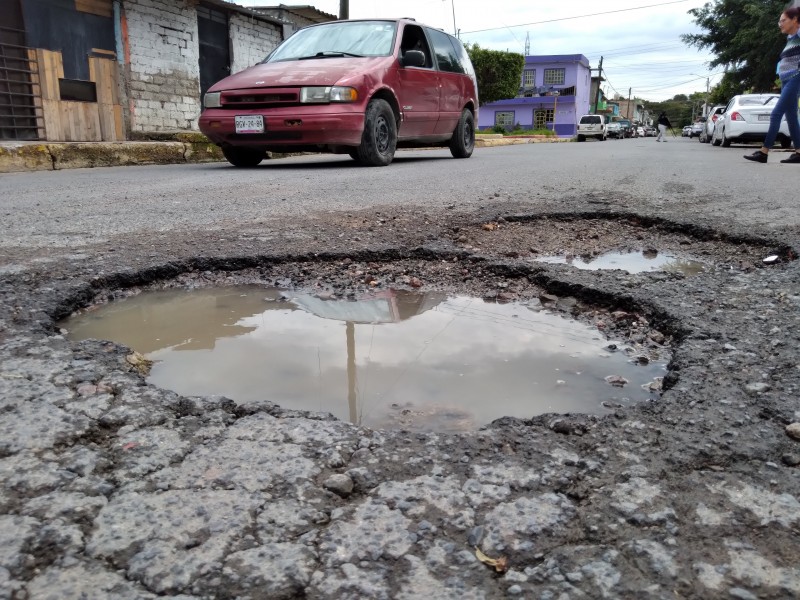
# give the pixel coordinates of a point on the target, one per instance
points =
(746, 119)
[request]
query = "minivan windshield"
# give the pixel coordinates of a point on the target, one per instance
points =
(337, 39)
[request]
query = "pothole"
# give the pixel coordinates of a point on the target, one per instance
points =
(388, 358)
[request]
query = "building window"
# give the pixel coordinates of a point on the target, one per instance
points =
(529, 78)
(554, 76)
(504, 119)
(542, 117)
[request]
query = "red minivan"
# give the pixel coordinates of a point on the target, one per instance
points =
(357, 87)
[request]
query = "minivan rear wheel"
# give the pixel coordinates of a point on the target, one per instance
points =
(463, 141)
(243, 157)
(379, 140)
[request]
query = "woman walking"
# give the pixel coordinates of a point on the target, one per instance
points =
(663, 124)
(789, 74)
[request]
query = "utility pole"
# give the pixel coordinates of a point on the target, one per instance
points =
(599, 81)
(453, 4)
(629, 106)
(344, 9)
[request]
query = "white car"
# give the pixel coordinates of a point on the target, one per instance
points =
(708, 130)
(592, 126)
(746, 119)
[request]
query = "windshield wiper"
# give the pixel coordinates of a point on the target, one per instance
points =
(330, 54)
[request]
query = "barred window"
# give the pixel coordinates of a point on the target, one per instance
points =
(529, 78)
(542, 117)
(554, 76)
(504, 118)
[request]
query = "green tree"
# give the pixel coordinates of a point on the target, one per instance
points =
(499, 73)
(744, 37)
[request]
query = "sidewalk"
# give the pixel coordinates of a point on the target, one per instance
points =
(158, 149)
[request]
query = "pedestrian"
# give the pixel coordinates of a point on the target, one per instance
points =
(663, 123)
(789, 73)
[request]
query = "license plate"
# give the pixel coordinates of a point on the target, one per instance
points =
(763, 117)
(249, 123)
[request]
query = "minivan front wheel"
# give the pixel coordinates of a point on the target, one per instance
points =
(243, 157)
(463, 141)
(379, 140)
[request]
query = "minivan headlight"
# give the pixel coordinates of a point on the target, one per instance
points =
(212, 100)
(320, 95)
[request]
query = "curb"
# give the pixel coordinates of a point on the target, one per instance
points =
(156, 149)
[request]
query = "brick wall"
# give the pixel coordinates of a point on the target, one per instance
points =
(164, 73)
(251, 41)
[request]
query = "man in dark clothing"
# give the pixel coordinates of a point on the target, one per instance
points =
(663, 123)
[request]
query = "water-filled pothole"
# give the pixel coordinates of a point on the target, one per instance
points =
(632, 262)
(394, 359)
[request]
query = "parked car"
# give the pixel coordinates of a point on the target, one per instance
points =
(592, 126)
(640, 131)
(614, 130)
(696, 129)
(650, 131)
(686, 131)
(708, 129)
(627, 128)
(360, 87)
(746, 119)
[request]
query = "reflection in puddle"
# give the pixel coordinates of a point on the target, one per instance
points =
(393, 360)
(632, 262)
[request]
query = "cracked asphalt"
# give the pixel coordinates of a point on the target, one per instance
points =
(114, 488)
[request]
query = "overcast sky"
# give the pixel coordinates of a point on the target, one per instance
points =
(639, 41)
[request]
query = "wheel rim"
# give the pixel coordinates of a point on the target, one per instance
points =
(382, 135)
(468, 134)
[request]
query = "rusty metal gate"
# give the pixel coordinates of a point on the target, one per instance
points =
(21, 115)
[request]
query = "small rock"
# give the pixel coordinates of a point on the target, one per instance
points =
(616, 380)
(339, 484)
(757, 387)
(415, 282)
(793, 431)
(791, 460)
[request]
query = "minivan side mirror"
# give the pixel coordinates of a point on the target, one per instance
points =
(413, 58)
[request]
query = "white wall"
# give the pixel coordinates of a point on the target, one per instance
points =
(163, 74)
(251, 41)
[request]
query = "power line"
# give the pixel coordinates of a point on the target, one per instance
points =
(609, 12)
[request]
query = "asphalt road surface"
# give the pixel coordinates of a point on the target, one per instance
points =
(79, 205)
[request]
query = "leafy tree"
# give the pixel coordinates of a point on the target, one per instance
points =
(499, 73)
(744, 37)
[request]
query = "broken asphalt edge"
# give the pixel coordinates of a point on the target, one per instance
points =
(153, 149)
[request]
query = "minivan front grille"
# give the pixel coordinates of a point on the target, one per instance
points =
(260, 98)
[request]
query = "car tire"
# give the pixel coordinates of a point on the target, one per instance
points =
(243, 157)
(379, 140)
(581, 138)
(354, 155)
(714, 140)
(786, 143)
(724, 141)
(463, 141)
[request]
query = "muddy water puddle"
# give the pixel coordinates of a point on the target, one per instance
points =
(632, 262)
(395, 359)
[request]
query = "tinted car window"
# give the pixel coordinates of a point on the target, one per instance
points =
(587, 119)
(445, 52)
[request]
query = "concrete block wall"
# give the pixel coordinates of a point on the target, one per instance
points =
(251, 41)
(164, 70)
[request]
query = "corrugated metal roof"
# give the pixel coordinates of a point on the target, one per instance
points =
(305, 11)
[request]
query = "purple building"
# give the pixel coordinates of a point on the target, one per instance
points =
(553, 94)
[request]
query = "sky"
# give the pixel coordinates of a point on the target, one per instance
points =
(639, 41)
